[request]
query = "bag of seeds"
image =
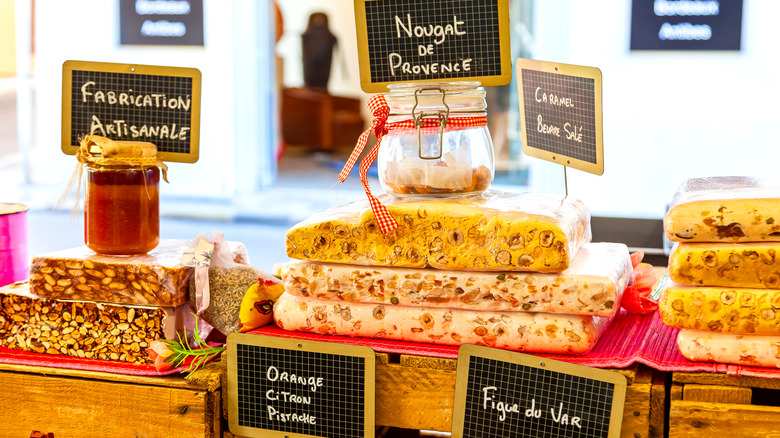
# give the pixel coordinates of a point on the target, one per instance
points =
(216, 291)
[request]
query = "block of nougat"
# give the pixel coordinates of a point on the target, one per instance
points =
(83, 329)
(721, 309)
(157, 278)
(748, 264)
(521, 331)
(592, 285)
(494, 231)
(724, 209)
(753, 350)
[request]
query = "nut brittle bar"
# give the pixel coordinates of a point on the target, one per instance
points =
(82, 329)
(593, 284)
(157, 278)
(494, 231)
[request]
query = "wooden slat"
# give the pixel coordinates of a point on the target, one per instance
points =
(702, 419)
(726, 380)
(676, 392)
(636, 413)
(658, 405)
(72, 407)
(173, 381)
(414, 398)
(717, 393)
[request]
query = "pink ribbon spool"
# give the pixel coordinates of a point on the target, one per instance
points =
(14, 263)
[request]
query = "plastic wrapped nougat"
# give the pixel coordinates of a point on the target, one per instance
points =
(753, 350)
(592, 285)
(83, 329)
(494, 231)
(521, 331)
(720, 309)
(748, 264)
(724, 209)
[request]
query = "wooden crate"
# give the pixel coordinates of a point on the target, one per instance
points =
(704, 403)
(73, 403)
(414, 392)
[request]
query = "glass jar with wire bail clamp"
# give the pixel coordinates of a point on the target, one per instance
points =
(121, 205)
(437, 141)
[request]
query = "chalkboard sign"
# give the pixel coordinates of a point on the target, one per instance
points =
(160, 105)
(501, 393)
(686, 25)
(161, 22)
(432, 40)
(560, 110)
(281, 387)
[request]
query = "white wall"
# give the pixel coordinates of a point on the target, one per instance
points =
(88, 30)
(667, 115)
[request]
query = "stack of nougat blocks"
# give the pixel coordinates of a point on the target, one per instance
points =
(725, 270)
(81, 304)
(513, 271)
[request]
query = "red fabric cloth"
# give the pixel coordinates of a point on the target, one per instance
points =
(630, 339)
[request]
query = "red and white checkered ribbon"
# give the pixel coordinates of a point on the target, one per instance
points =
(380, 127)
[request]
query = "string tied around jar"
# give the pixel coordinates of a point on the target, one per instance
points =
(379, 126)
(102, 151)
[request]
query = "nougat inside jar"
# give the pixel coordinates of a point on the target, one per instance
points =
(122, 206)
(437, 143)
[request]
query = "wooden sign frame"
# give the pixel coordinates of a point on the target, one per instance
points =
(557, 68)
(67, 94)
(380, 87)
(234, 339)
(466, 351)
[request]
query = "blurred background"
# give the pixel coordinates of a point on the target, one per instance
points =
(273, 142)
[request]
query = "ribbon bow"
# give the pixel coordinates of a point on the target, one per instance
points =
(380, 127)
(381, 111)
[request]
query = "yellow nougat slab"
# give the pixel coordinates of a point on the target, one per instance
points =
(494, 231)
(522, 331)
(720, 309)
(753, 350)
(724, 209)
(592, 285)
(748, 264)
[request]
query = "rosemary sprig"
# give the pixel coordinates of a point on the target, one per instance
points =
(182, 350)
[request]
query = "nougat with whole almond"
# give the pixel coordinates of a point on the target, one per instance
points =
(592, 285)
(494, 231)
(721, 309)
(749, 264)
(724, 209)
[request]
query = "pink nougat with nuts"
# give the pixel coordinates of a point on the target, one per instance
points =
(520, 331)
(592, 285)
(753, 350)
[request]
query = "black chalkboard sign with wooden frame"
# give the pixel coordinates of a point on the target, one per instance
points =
(291, 388)
(561, 113)
(160, 105)
(432, 41)
(501, 393)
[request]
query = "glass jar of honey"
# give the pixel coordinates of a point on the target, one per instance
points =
(437, 141)
(121, 205)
